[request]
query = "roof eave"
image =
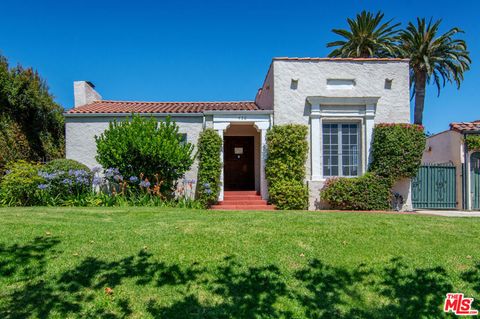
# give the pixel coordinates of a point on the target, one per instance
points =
(99, 114)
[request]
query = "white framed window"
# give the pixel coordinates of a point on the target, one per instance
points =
(341, 149)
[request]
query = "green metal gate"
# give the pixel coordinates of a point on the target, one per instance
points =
(475, 179)
(434, 187)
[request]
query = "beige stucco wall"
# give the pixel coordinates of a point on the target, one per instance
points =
(291, 105)
(446, 147)
(81, 131)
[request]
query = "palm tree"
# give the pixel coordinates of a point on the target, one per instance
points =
(434, 58)
(367, 37)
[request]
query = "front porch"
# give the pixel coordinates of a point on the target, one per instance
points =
(243, 153)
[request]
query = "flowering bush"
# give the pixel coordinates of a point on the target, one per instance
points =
(27, 184)
(59, 185)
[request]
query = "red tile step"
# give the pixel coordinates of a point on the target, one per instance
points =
(242, 200)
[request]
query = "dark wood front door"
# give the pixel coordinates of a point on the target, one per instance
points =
(239, 163)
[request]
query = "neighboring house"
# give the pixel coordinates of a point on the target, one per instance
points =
(340, 100)
(449, 147)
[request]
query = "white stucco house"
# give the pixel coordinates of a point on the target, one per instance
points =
(340, 100)
(449, 147)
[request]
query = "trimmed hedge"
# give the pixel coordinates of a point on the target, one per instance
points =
(209, 167)
(367, 192)
(285, 166)
(397, 151)
(290, 194)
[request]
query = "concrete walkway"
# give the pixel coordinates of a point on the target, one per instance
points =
(449, 213)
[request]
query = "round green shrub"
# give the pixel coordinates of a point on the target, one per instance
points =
(209, 167)
(367, 192)
(287, 149)
(19, 186)
(289, 195)
(397, 150)
(143, 146)
(64, 165)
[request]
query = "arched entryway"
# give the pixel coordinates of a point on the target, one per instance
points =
(475, 179)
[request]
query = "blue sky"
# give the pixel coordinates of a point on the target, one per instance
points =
(206, 50)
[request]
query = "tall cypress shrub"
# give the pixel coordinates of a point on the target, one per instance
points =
(285, 166)
(209, 167)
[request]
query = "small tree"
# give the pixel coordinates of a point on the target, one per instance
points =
(143, 146)
(209, 167)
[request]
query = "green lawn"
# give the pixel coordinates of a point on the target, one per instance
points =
(172, 263)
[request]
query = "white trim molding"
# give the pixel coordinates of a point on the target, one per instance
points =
(348, 109)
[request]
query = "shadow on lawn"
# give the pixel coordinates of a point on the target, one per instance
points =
(229, 289)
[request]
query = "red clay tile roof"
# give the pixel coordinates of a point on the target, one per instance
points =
(338, 59)
(466, 126)
(161, 107)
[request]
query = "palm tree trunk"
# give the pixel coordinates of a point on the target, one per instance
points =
(420, 85)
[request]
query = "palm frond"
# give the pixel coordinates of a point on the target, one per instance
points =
(367, 36)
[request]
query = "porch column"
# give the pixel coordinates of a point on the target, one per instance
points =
(220, 195)
(263, 157)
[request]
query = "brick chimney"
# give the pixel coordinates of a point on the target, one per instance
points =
(84, 93)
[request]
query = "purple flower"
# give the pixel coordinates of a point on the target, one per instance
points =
(208, 191)
(96, 181)
(110, 172)
(43, 186)
(7, 172)
(47, 176)
(118, 178)
(206, 185)
(82, 180)
(67, 181)
(133, 179)
(144, 184)
(96, 169)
